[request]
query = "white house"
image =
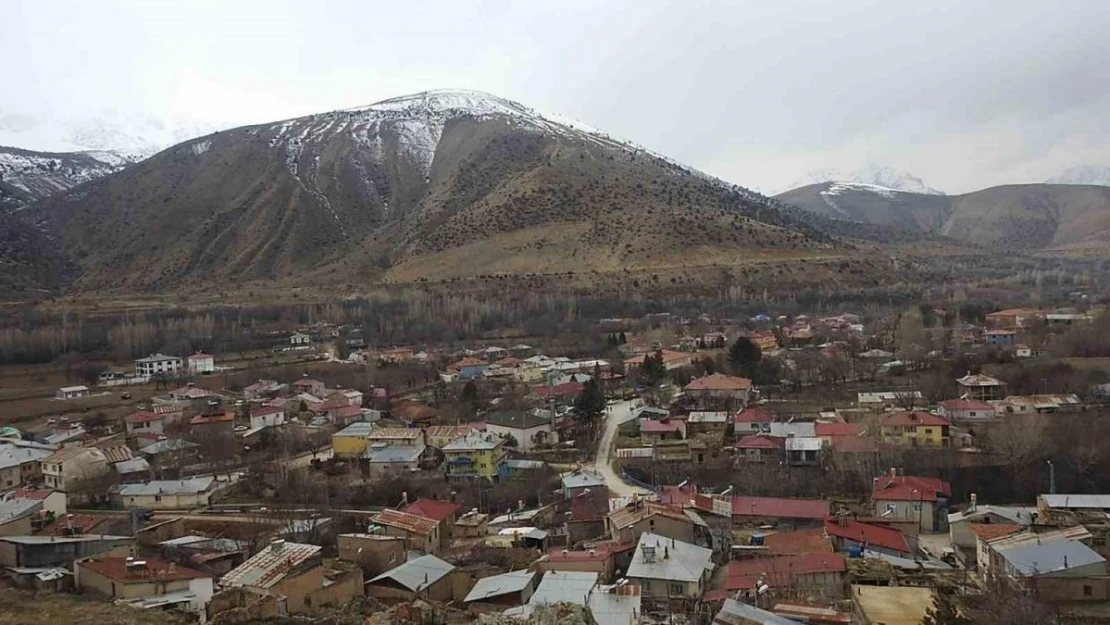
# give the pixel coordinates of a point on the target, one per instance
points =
(70, 465)
(71, 392)
(187, 493)
(300, 339)
(158, 364)
(530, 429)
(201, 363)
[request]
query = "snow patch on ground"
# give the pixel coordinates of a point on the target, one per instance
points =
(200, 147)
(838, 188)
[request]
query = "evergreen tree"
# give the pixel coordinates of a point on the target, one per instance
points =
(653, 371)
(623, 338)
(590, 405)
(744, 356)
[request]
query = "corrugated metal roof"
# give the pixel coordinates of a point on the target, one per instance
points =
(564, 587)
(1050, 557)
(168, 487)
(581, 478)
(673, 560)
(405, 521)
(498, 585)
(417, 574)
(1077, 502)
(270, 565)
(735, 613)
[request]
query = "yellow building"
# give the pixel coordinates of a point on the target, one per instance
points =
(476, 455)
(915, 428)
(351, 441)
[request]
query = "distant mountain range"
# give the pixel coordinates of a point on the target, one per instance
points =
(1083, 174)
(877, 175)
(130, 134)
(27, 176)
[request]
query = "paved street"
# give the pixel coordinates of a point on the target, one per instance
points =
(617, 413)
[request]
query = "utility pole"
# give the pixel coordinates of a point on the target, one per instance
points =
(1051, 477)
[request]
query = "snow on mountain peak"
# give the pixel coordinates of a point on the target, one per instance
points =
(1083, 174)
(876, 175)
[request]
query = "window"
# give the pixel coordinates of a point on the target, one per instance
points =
(1087, 591)
(157, 498)
(675, 589)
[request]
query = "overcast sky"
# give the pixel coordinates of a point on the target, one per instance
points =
(963, 94)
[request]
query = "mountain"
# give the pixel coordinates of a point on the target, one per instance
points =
(440, 185)
(1021, 218)
(877, 175)
(27, 176)
(129, 134)
(1083, 174)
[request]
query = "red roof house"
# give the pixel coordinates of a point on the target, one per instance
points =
(847, 532)
(432, 509)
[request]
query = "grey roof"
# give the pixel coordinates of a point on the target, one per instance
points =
(800, 429)
(474, 441)
(674, 560)
(517, 419)
(187, 486)
(358, 428)
(134, 465)
(394, 453)
(564, 587)
(1014, 514)
(16, 508)
(1077, 501)
(498, 585)
(417, 574)
(41, 540)
(908, 564)
(735, 612)
(169, 444)
(270, 566)
(707, 417)
(157, 358)
(581, 478)
(516, 463)
(614, 608)
(15, 455)
(1050, 557)
(205, 542)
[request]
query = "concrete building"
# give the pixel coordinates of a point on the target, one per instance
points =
(158, 365)
(71, 392)
(529, 429)
(201, 363)
(21, 463)
(667, 569)
(69, 466)
(426, 577)
(168, 494)
(498, 592)
(442, 512)
(46, 551)
(373, 552)
(906, 498)
(387, 461)
(718, 391)
(144, 581)
(639, 517)
(292, 571)
(421, 533)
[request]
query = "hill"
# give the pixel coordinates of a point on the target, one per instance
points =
(878, 175)
(1013, 218)
(438, 185)
(27, 176)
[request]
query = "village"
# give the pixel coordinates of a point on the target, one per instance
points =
(770, 470)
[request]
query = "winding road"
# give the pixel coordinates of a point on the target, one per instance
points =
(615, 415)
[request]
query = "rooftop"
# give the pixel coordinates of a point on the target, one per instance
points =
(1051, 557)
(564, 587)
(498, 585)
(719, 382)
(909, 488)
(990, 531)
(735, 613)
(581, 478)
(358, 428)
(811, 540)
(867, 534)
(753, 414)
(187, 486)
(517, 419)
(659, 557)
(778, 571)
(168, 444)
(271, 565)
(411, 523)
(979, 379)
(1077, 502)
(417, 574)
(662, 426)
(393, 453)
(118, 571)
(432, 509)
(965, 404)
(913, 418)
(474, 441)
(637, 511)
(15, 508)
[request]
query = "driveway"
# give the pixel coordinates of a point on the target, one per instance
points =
(615, 415)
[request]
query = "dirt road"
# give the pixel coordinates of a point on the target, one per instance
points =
(616, 414)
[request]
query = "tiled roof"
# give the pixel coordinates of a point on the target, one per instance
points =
(839, 429)
(117, 570)
(270, 565)
(979, 380)
(218, 418)
(719, 382)
(143, 416)
(559, 390)
(867, 534)
(779, 571)
(753, 414)
(345, 412)
(81, 524)
(633, 513)
(990, 531)
(668, 356)
(778, 507)
(469, 361)
(913, 418)
(432, 509)
(760, 441)
(262, 411)
(908, 488)
(661, 426)
(811, 540)
(404, 434)
(411, 523)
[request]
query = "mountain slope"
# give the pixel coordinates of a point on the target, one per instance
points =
(27, 176)
(438, 185)
(1083, 174)
(1019, 218)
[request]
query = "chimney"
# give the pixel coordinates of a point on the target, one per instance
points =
(893, 473)
(666, 552)
(277, 544)
(974, 501)
(172, 568)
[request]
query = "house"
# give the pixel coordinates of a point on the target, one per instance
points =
(473, 524)
(671, 359)
(821, 573)
(1021, 350)
(352, 441)
(144, 422)
(52, 500)
(351, 396)
(71, 392)
(45, 551)
(68, 467)
(262, 389)
(266, 417)
(915, 428)
(1037, 404)
(752, 420)
(168, 494)
(17, 514)
(1055, 558)
(426, 577)
(701, 422)
(760, 448)
(793, 542)
(527, 430)
(442, 512)
(752, 510)
(982, 387)
(909, 498)
(422, 534)
(310, 386)
(961, 525)
(618, 604)
(414, 412)
(854, 537)
(828, 432)
(1013, 318)
(967, 410)
(21, 463)
(475, 455)
(169, 454)
(991, 562)
(558, 393)
(468, 368)
(599, 559)
(201, 363)
(158, 365)
(1004, 338)
(984, 534)
(733, 612)
(802, 450)
(399, 437)
(577, 482)
(653, 432)
(148, 580)
(396, 355)
(880, 400)
(499, 592)
(374, 553)
(438, 436)
(300, 339)
(385, 461)
(626, 523)
(291, 571)
(667, 569)
(718, 391)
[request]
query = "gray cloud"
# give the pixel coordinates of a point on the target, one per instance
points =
(963, 94)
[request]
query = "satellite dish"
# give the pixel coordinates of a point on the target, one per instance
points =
(763, 589)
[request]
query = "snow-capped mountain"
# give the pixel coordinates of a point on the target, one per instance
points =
(1083, 174)
(876, 175)
(129, 134)
(27, 176)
